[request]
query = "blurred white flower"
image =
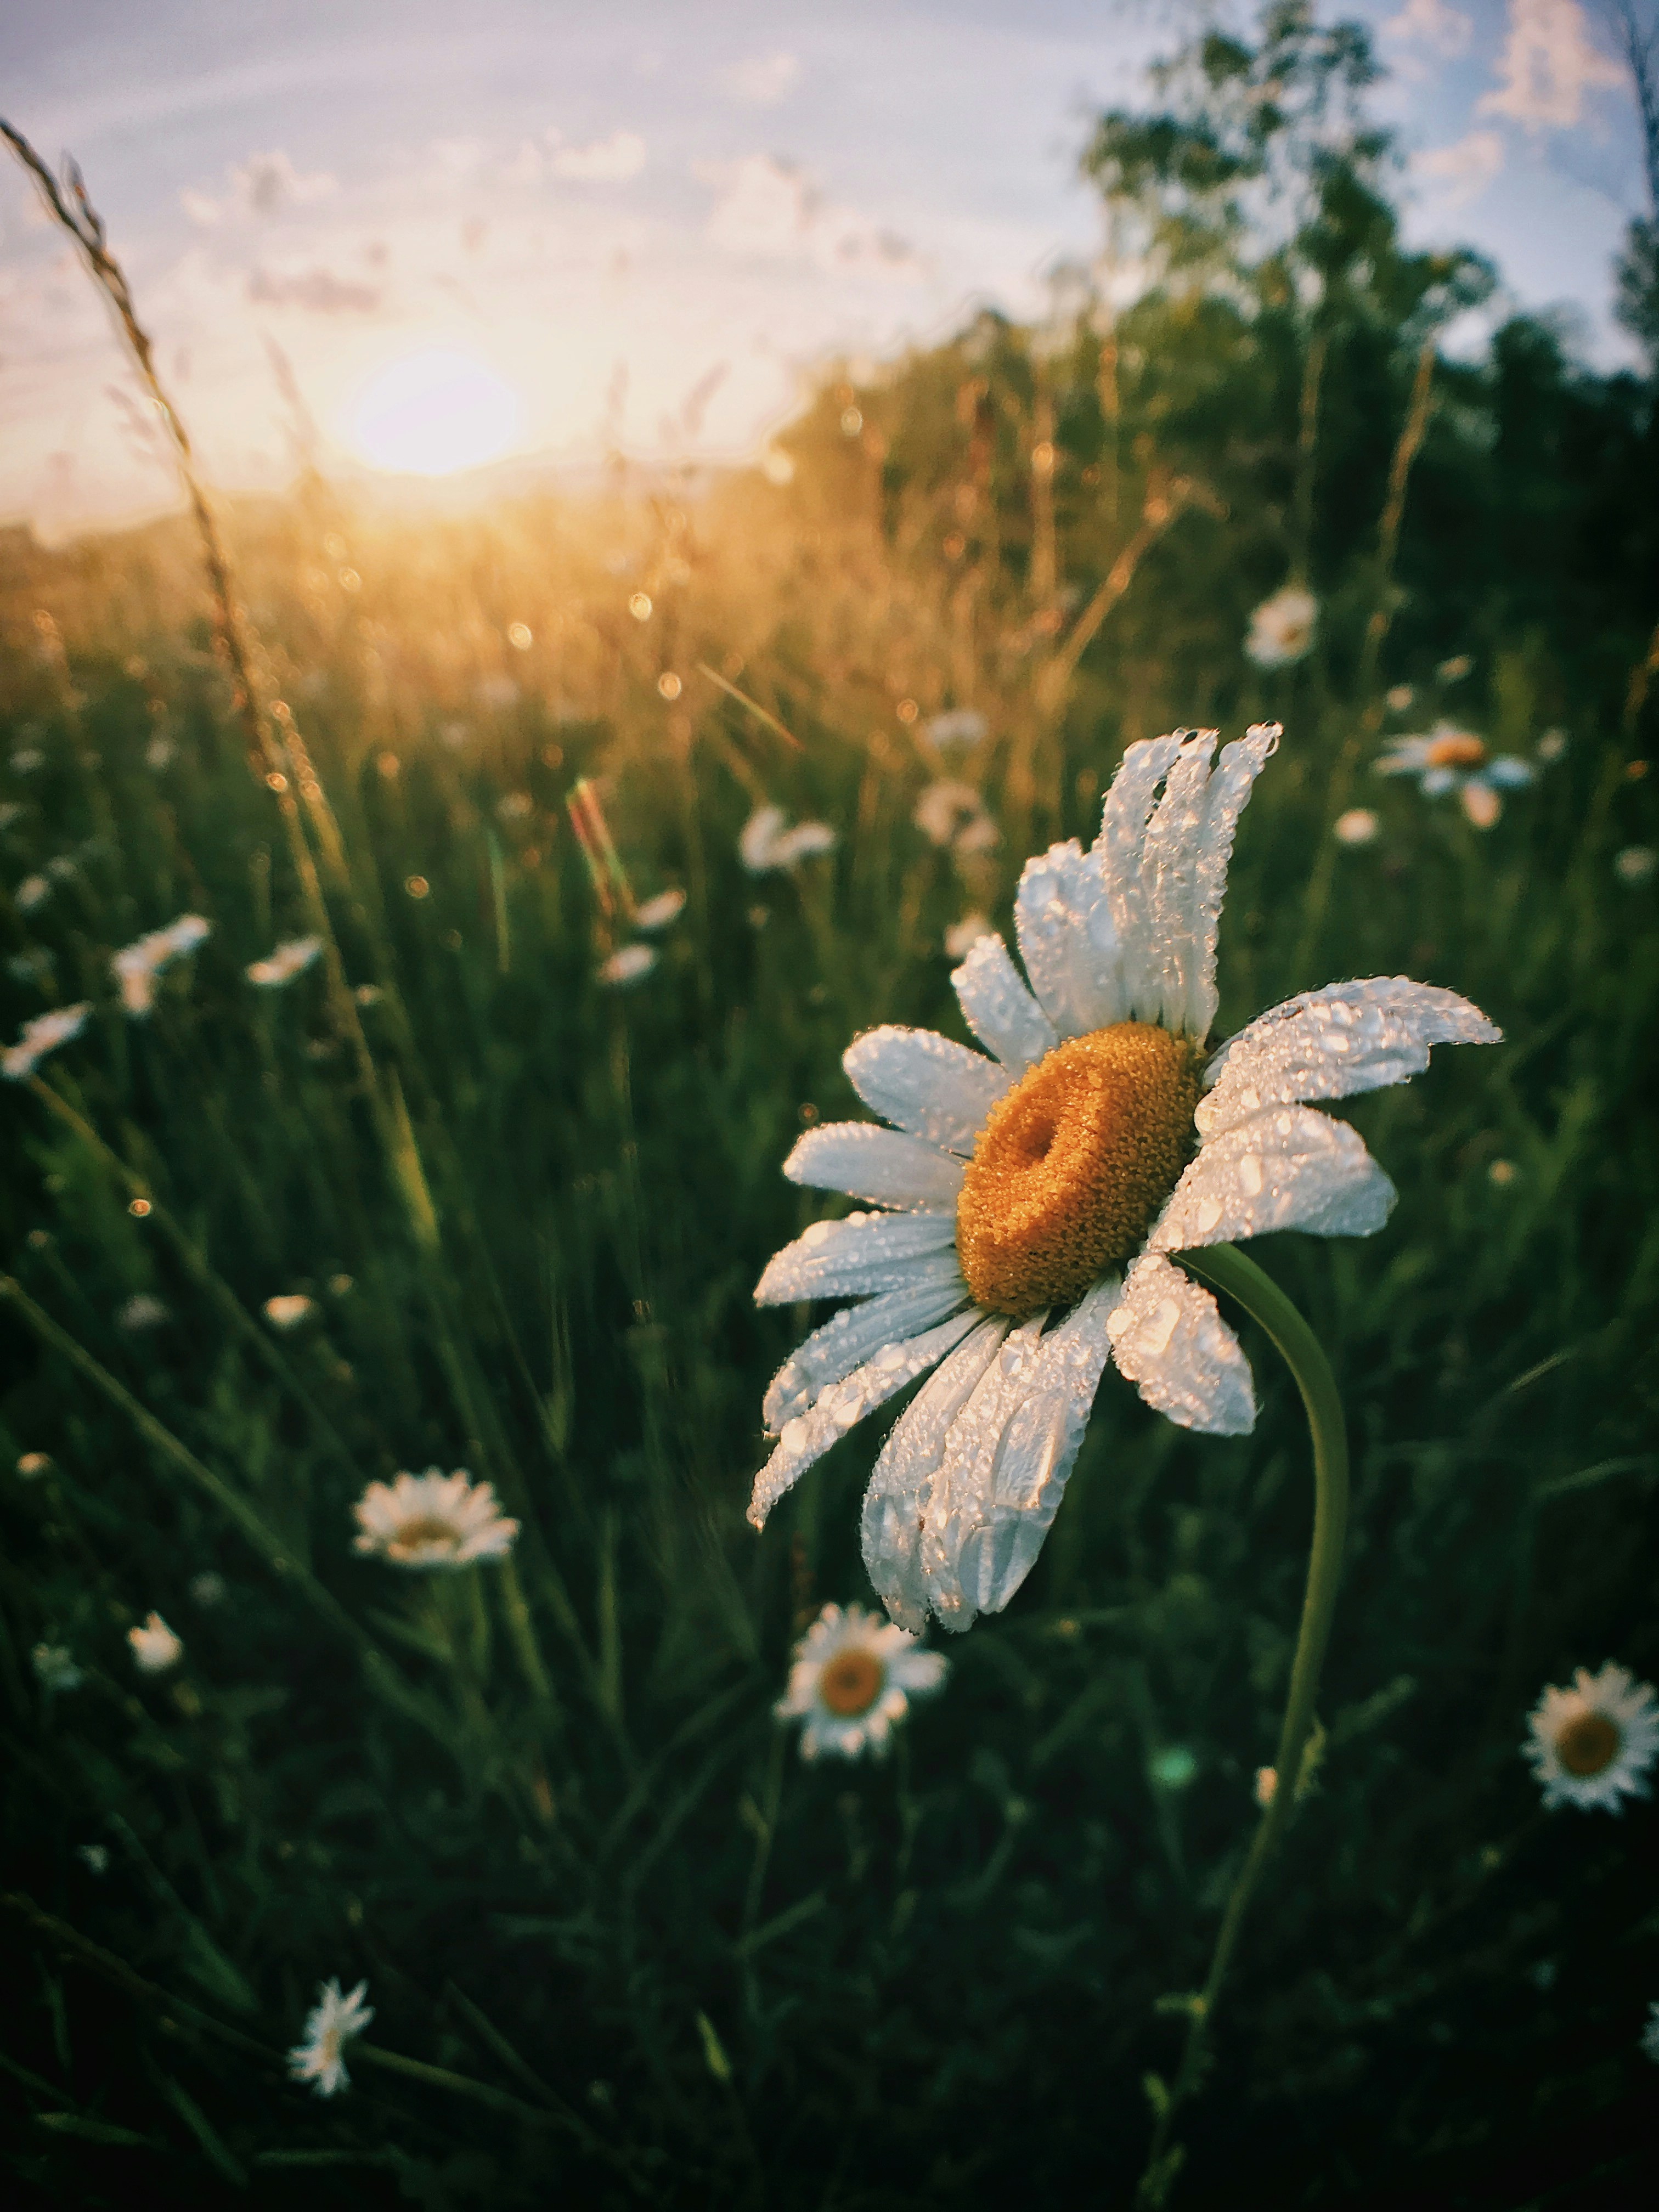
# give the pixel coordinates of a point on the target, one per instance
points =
(54, 1668)
(33, 1465)
(208, 1588)
(765, 845)
(961, 726)
(1448, 759)
(1553, 746)
(289, 1308)
(954, 814)
(11, 811)
(154, 1646)
(963, 936)
(33, 891)
(291, 959)
(94, 1856)
(433, 1520)
(141, 1312)
(1399, 698)
(136, 966)
(516, 806)
(1267, 1786)
(1030, 1197)
(334, 2018)
(661, 912)
(1358, 826)
(1636, 863)
(158, 754)
(42, 1035)
(25, 759)
(1282, 627)
(1591, 1746)
(628, 965)
(854, 1676)
(1454, 670)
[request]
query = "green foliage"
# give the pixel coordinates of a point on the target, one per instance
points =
(619, 1940)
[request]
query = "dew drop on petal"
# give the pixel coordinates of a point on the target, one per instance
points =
(1209, 1212)
(1249, 1174)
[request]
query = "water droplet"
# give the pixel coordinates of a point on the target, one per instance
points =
(1209, 1212)
(1249, 1174)
(1160, 1328)
(793, 1439)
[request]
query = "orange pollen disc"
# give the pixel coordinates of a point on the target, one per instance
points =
(1456, 749)
(1072, 1165)
(850, 1683)
(414, 1534)
(1588, 1744)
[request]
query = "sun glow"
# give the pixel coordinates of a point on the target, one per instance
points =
(432, 413)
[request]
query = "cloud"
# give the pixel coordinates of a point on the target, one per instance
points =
(763, 80)
(768, 209)
(200, 209)
(1547, 65)
(266, 182)
(1463, 169)
(317, 290)
(610, 161)
(1442, 29)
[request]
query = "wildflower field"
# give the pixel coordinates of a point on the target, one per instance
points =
(419, 962)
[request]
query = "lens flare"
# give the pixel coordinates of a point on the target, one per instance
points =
(433, 413)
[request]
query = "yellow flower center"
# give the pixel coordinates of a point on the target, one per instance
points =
(1072, 1165)
(851, 1682)
(1457, 749)
(1588, 1743)
(423, 1534)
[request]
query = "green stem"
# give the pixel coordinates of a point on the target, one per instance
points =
(1228, 1270)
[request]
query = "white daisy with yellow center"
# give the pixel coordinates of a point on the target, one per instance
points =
(319, 2057)
(1447, 758)
(1591, 1746)
(1031, 1200)
(854, 1676)
(433, 1520)
(154, 1646)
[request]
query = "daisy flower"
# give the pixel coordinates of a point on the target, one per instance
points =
(33, 891)
(44, 1034)
(766, 846)
(1593, 1744)
(289, 1308)
(154, 1646)
(319, 2057)
(1447, 758)
(291, 959)
(954, 814)
(141, 1311)
(433, 1520)
(1636, 863)
(136, 966)
(1032, 1200)
(661, 912)
(54, 1668)
(1282, 628)
(959, 726)
(853, 1675)
(628, 966)
(1358, 826)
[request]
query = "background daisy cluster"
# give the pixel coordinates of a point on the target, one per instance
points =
(627, 811)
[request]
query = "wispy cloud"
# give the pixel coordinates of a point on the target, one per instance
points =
(610, 161)
(1463, 170)
(264, 185)
(1444, 30)
(1547, 66)
(763, 80)
(769, 209)
(318, 291)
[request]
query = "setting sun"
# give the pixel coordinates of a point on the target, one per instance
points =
(433, 413)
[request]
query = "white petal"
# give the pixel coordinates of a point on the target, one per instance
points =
(1064, 922)
(956, 1500)
(809, 1436)
(879, 1164)
(1018, 1483)
(1225, 796)
(1331, 1043)
(1169, 874)
(924, 1083)
(848, 1338)
(1119, 848)
(857, 1257)
(893, 1503)
(999, 1010)
(1288, 1168)
(1169, 1338)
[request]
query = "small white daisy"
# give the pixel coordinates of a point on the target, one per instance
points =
(1282, 627)
(94, 1856)
(136, 966)
(291, 959)
(44, 1034)
(1591, 1746)
(1454, 670)
(854, 1676)
(959, 726)
(433, 1520)
(1650, 2035)
(1553, 746)
(141, 1311)
(33, 1465)
(1358, 826)
(154, 1646)
(1399, 698)
(1033, 1201)
(319, 2057)
(1636, 863)
(33, 891)
(54, 1668)
(661, 912)
(629, 965)
(289, 1308)
(1447, 758)
(766, 846)
(954, 814)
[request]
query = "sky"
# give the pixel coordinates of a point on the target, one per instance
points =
(549, 229)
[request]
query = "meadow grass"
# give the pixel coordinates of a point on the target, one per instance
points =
(618, 1940)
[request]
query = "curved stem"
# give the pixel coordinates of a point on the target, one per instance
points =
(1227, 1269)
